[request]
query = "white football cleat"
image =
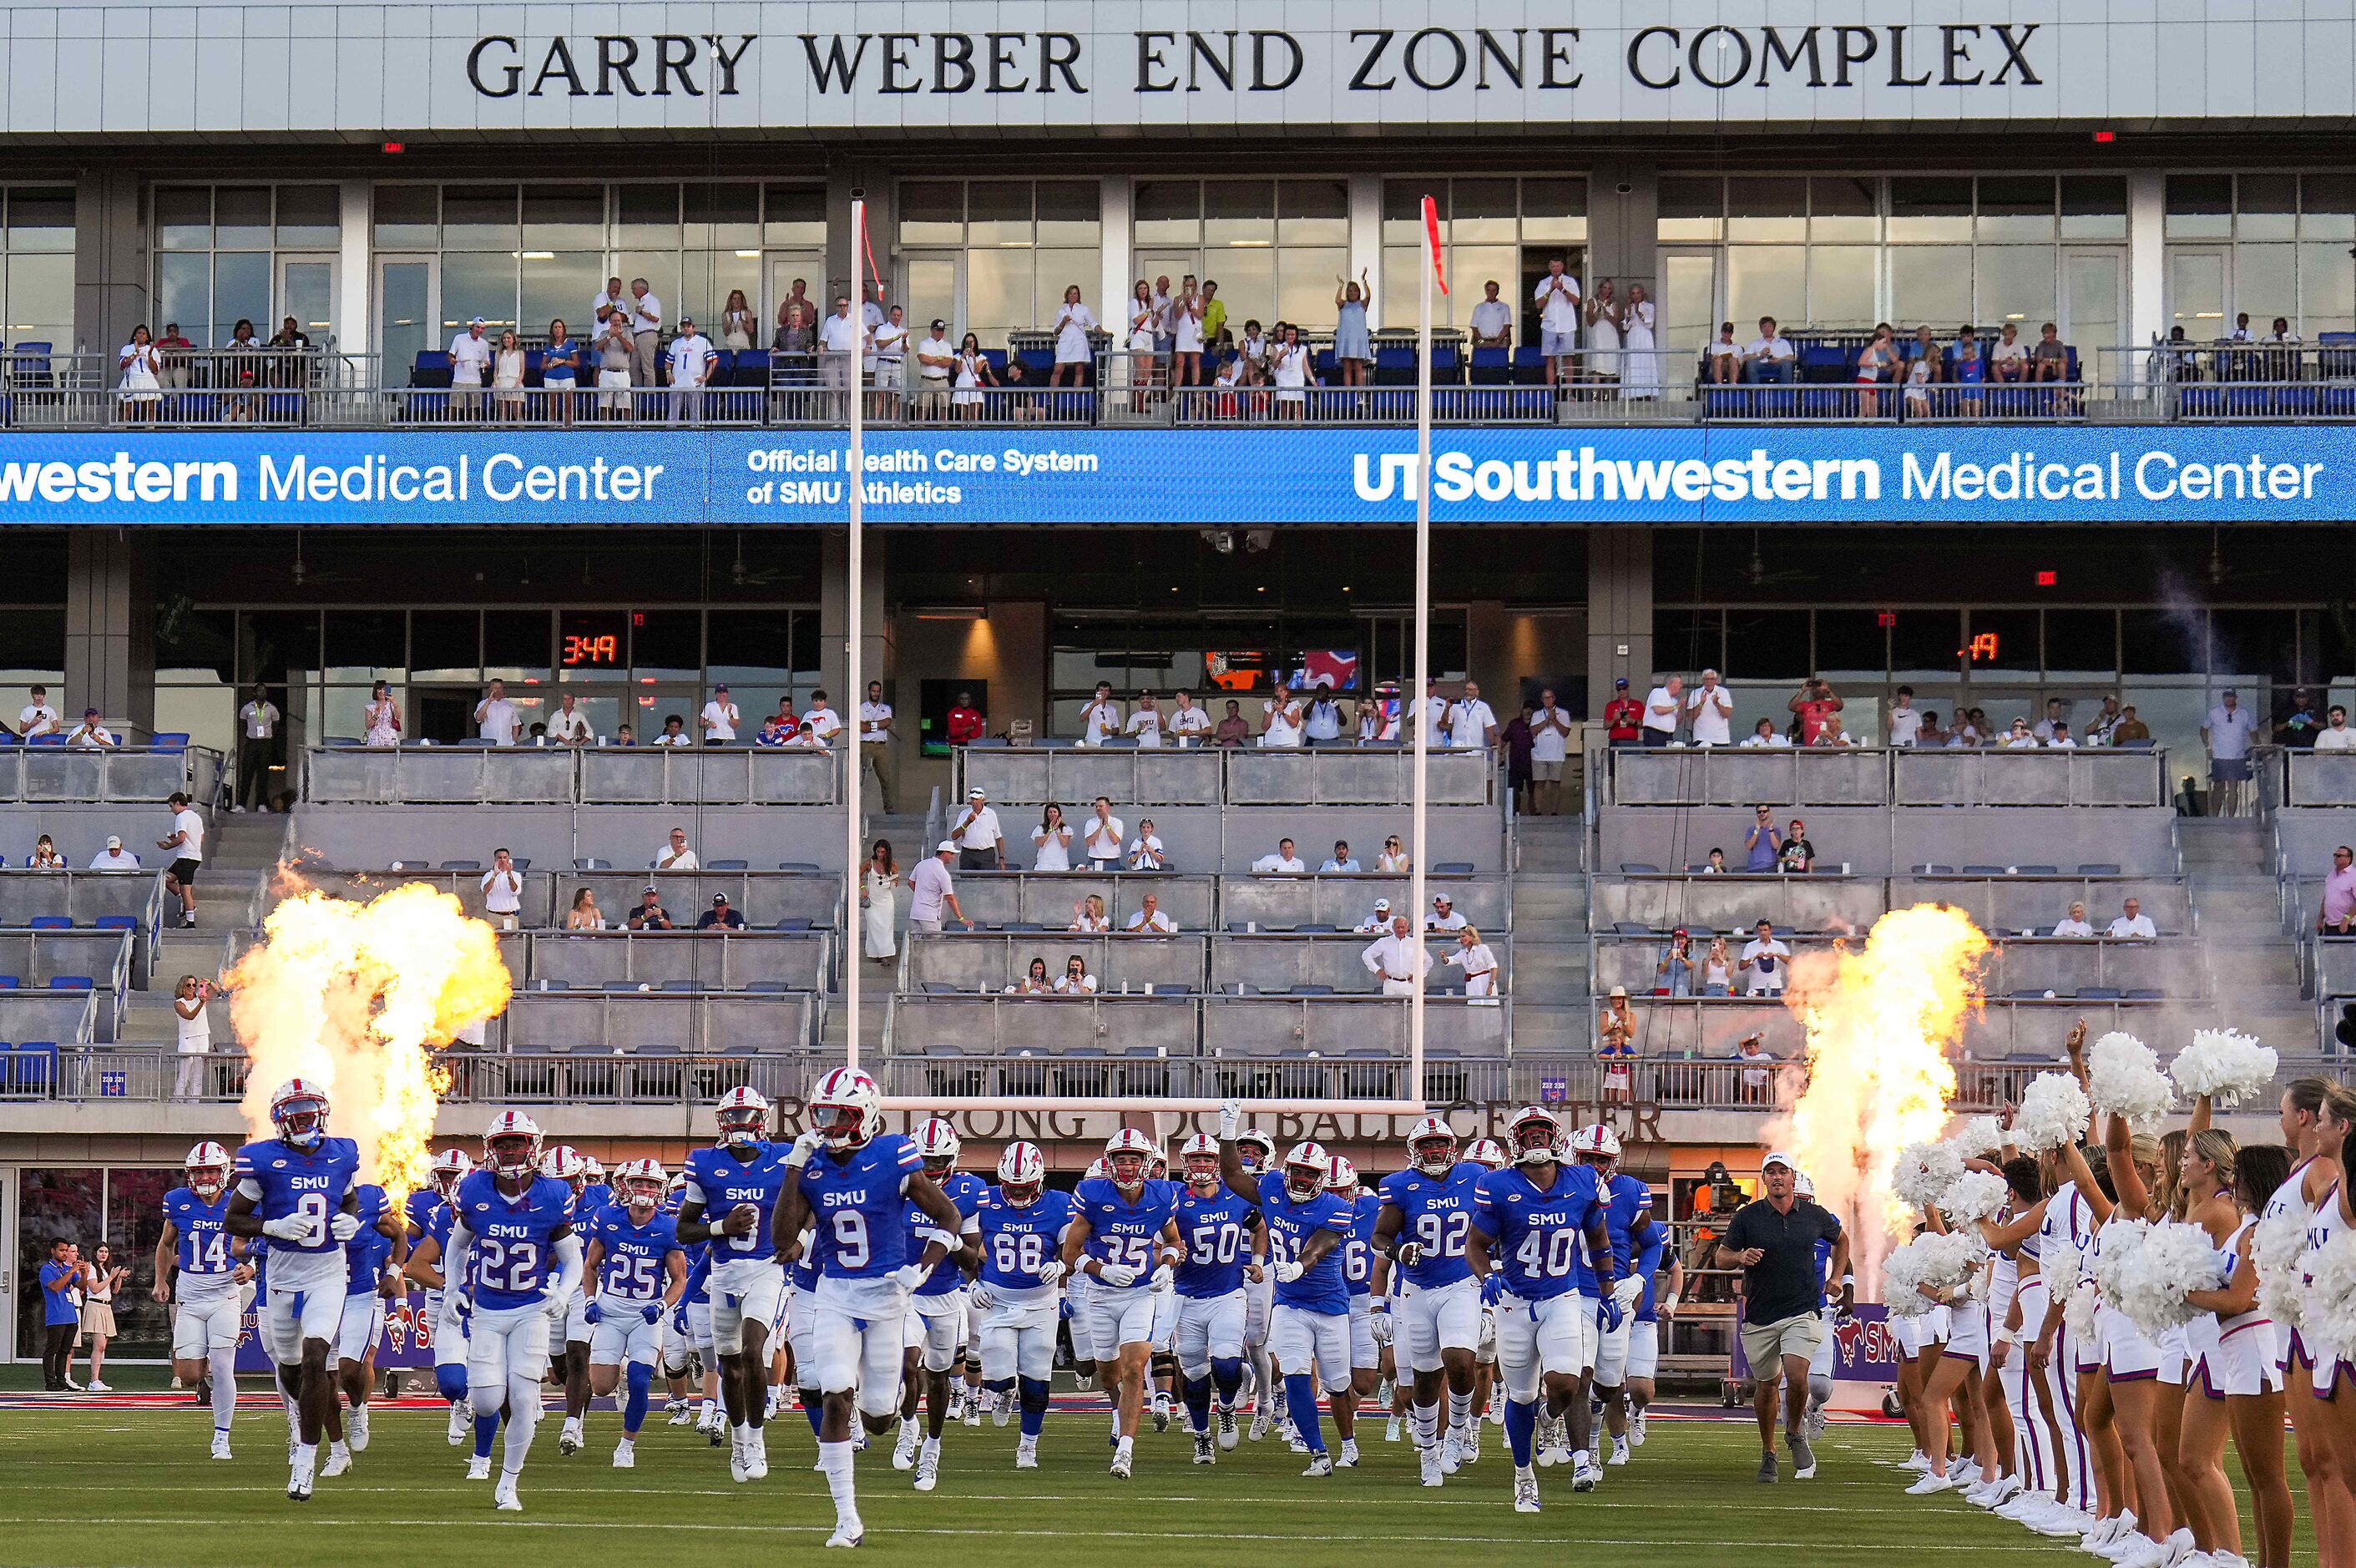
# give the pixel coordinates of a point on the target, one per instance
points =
(756, 1454)
(625, 1455)
(1619, 1451)
(847, 1532)
(356, 1428)
(503, 1496)
(1320, 1464)
(1636, 1428)
(478, 1469)
(220, 1445)
(1429, 1459)
(1226, 1427)
(1026, 1453)
(1471, 1447)
(1585, 1475)
(1347, 1459)
(903, 1452)
(568, 1442)
(1451, 1453)
(1526, 1490)
(928, 1469)
(340, 1459)
(298, 1483)
(1119, 1464)
(1931, 1482)
(462, 1423)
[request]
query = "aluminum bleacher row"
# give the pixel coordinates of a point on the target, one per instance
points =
(2307, 801)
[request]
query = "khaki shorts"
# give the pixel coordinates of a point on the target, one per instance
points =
(1765, 1345)
(1546, 772)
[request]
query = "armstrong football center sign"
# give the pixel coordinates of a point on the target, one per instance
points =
(362, 68)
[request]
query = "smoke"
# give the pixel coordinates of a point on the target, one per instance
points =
(1880, 1021)
(354, 996)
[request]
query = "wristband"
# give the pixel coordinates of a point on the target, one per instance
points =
(1848, 1282)
(2006, 1337)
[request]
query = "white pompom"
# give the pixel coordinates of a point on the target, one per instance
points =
(1974, 1195)
(2114, 1254)
(2123, 1078)
(2053, 1113)
(2277, 1247)
(1925, 1171)
(1902, 1271)
(2174, 1259)
(1978, 1138)
(2327, 1313)
(2078, 1312)
(2224, 1064)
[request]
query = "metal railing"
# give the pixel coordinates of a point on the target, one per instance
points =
(681, 1023)
(40, 775)
(1121, 965)
(2022, 968)
(1737, 901)
(1702, 1027)
(1330, 773)
(764, 898)
(151, 1074)
(1863, 775)
(684, 960)
(482, 774)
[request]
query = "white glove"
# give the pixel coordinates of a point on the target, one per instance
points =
(1120, 1277)
(1162, 1277)
(300, 1229)
(981, 1298)
(1626, 1292)
(804, 1147)
(559, 1308)
(1669, 1304)
(1051, 1273)
(344, 1227)
(910, 1276)
(1286, 1271)
(1409, 1254)
(1488, 1328)
(1379, 1323)
(1231, 1119)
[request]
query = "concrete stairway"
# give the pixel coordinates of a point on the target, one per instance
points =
(2254, 976)
(240, 853)
(1550, 990)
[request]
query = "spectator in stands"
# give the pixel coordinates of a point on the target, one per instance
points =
(1550, 733)
(38, 718)
(823, 724)
(800, 733)
(674, 732)
(625, 735)
(980, 845)
(1283, 863)
(1394, 861)
(1717, 970)
(2062, 735)
(1471, 723)
(1557, 297)
(115, 857)
(721, 917)
(1324, 720)
(675, 855)
(1764, 734)
(1340, 860)
(2337, 914)
(495, 717)
(2227, 733)
(1188, 721)
(1664, 711)
(1709, 712)
(1089, 915)
(568, 726)
(538, 734)
(1876, 362)
(584, 915)
(1150, 921)
(1929, 734)
(92, 734)
(777, 729)
(560, 371)
(1232, 731)
(1145, 852)
(1076, 979)
(935, 893)
(2020, 737)
(1101, 719)
(719, 717)
(1100, 837)
(2043, 728)
(2007, 357)
(2075, 926)
(1723, 359)
(506, 378)
(503, 893)
(1493, 319)
(2335, 734)
(1905, 718)
(195, 1036)
(2129, 727)
(1798, 855)
(1675, 971)
(1815, 703)
(879, 901)
(1380, 920)
(1398, 959)
(2132, 922)
(1763, 962)
(649, 916)
(1375, 721)
(2049, 361)
(1144, 724)
(1443, 915)
(615, 350)
(936, 360)
(257, 735)
(1474, 957)
(1769, 358)
(1714, 865)
(1762, 845)
(186, 843)
(646, 313)
(1517, 738)
(1280, 723)
(44, 856)
(470, 365)
(1754, 1081)
(1615, 1045)
(1035, 982)
(876, 740)
(2297, 724)
(1051, 842)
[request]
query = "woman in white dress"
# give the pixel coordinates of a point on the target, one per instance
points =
(383, 716)
(1088, 914)
(1288, 362)
(1641, 377)
(1480, 965)
(1142, 314)
(507, 377)
(1053, 840)
(879, 902)
(1603, 322)
(1074, 352)
(141, 384)
(972, 371)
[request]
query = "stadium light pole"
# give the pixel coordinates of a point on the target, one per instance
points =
(854, 633)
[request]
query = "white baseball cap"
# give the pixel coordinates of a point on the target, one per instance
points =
(947, 846)
(113, 841)
(1778, 1158)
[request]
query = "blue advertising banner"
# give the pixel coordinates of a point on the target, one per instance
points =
(1864, 1350)
(405, 1341)
(1211, 476)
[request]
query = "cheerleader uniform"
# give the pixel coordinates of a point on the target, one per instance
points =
(2331, 1363)
(2128, 1355)
(2232, 1356)
(2288, 1199)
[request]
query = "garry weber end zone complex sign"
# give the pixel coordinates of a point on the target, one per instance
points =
(362, 68)
(1751, 476)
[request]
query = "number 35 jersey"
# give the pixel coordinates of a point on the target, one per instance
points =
(515, 1239)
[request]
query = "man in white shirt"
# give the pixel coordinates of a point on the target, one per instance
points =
(470, 365)
(187, 844)
(1769, 356)
(1709, 708)
(1100, 839)
(257, 733)
(2132, 922)
(1324, 720)
(1283, 722)
(1664, 708)
(495, 717)
(1443, 915)
(1101, 718)
(875, 741)
(1493, 319)
(1557, 301)
(2043, 728)
(821, 724)
(839, 336)
(1283, 863)
(1145, 723)
(2335, 734)
(38, 717)
(2227, 732)
(1189, 721)
(2075, 926)
(1437, 712)
(609, 300)
(646, 313)
(1471, 723)
(1551, 730)
(1145, 850)
(92, 732)
(720, 718)
(675, 855)
(980, 846)
(503, 893)
(887, 362)
(934, 892)
(568, 726)
(1398, 958)
(1380, 920)
(691, 359)
(1764, 734)
(1764, 964)
(2099, 732)
(936, 358)
(113, 857)
(1905, 718)
(1150, 921)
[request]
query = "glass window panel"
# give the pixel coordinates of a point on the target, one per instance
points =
(479, 217)
(1248, 283)
(932, 211)
(1483, 208)
(2081, 644)
(1305, 275)
(723, 215)
(184, 294)
(753, 646)
(562, 286)
(367, 645)
(1691, 207)
(712, 275)
(184, 216)
(1554, 209)
(1475, 266)
(33, 638)
(1400, 287)
(660, 268)
(2016, 207)
(2015, 283)
(795, 214)
(309, 215)
(478, 283)
(805, 644)
(1312, 212)
(2007, 641)
(2265, 283)
(1929, 283)
(446, 644)
(1688, 297)
(1922, 644)
(194, 647)
(1765, 280)
(1767, 645)
(1840, 285)
(2327, 207)
(1842, 209)
(1055, 269)
(1766, 209)
(1851, 643)
(275, 646)
(998, 213)
(1931, 206)
(2268, 205)
(2199, 206)
(648, 214)
(516, 644)
(51, 1203)
(1070, 212)
(40, 219)
(240, 290)
(1239, 212)
(1169, 212)
(241, 215)
(564, 217)
(406, 215)
(2256, 645)
(2094, 206)
(998, 294)
(1689, 639)
(2327, 285)
(1155, 265)
(2162, 643)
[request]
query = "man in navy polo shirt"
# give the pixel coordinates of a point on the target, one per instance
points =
(60, 1312)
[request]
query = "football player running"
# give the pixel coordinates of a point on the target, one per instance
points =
(429, 1265)
(571, 1363)
(1628, 1217)
(1426, 1214)
(639, 1270)
(1227, 1249)
(1357, 1280)
(192, 1255)
(733, 1193)
(519, 1264)
(1124, 1238)
(1488, 1394)
(1022, 1223)
(372, 1278)
(297, 1190)
(1257, 1150)
(940, 1306)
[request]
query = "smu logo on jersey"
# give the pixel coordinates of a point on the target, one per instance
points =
(301, 1182)
(846, 1198)
(1131, 1228)
(508, 1232)
(1561, 1216)
(744, 1194)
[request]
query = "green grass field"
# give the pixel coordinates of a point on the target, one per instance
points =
(134, 1487)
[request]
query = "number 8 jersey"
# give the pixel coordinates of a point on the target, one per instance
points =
(281, 1179)
(856, 1209)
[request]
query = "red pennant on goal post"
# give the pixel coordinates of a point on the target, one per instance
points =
(867, 244)
(1431, 239)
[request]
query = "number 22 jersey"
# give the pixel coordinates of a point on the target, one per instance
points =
(512, 1263)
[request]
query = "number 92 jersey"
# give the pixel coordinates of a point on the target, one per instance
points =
(856, 1209)
(1435, 1213)
(1017, 1241)
(511, 1262)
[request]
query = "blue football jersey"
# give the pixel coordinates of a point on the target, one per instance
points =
(202, 1240)
(1625, 1200)
(366, 1254)
(1320, 1288)
(1648, 1269)
(417, 1208)
(718, 1180)
(1019, 1239)
(634, 1266)
(1537, 1235)
(594, 1197)
(1435, 1214)
(965, 1189)
(698, 1275)
(515, 1238)
(1358, 1251)
(1121, 1231)
(438, 1222)
(284, 1180)
(1216, 1233)
(856, 1207)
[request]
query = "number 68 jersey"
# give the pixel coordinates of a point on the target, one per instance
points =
(512, 1260)
(1018, 1241)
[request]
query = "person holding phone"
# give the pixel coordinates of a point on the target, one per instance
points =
(1764, 963)
(195, 1031)
(1675, 972)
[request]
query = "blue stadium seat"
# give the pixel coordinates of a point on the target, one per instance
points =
(117, 923)
(1453, 868)
(1316, 929)
(1638, 868)
(1492, 367)
(549, 984)
(2098, 993)
(795, 923)
(2098, 868)
(412, 866)
(681, 985)
(10, 983)
(730, 865)
(1021, 926)
(1311, 990)
(462, 866)
(2038, 870)
(1631, 929)
(32, 1064)
(1928, 869)
(768, 987)
(1983, 871)
(72, 983)
(2138, 994)
(797, 865)
(50, 923)
(521, 862)
(169, 740)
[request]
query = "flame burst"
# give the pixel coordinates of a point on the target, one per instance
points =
(353, 996)
(1880, 1023)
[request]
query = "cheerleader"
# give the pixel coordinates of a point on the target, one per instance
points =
(2041, 1445)
(1955, 1379)
(2232, 1383)
(2330, 1369)
(2316, 1116)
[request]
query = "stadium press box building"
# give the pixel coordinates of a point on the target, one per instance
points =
(2154, 507)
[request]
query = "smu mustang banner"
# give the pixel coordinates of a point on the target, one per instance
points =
(1748, 475)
